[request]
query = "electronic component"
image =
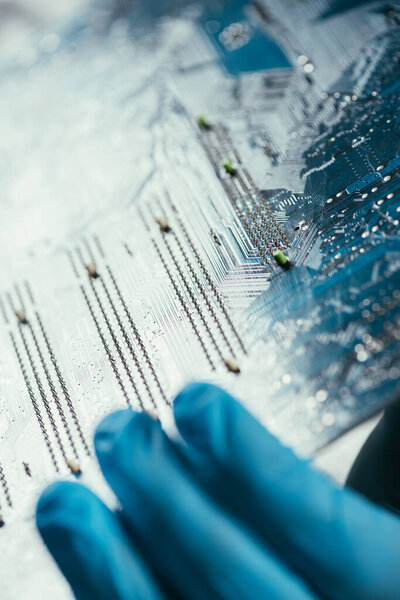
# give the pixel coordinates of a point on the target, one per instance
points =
(74, 467)
(203, 122)
(228, 166)
(21, 316)
(232, 365)
(163, 224)
(281, 259)
(92, 270)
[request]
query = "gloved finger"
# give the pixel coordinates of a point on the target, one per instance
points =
(91, 547)
(342, 544)
(197, 550)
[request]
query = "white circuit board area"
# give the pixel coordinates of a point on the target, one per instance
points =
(133, 262)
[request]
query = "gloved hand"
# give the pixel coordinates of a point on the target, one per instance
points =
(230, 515)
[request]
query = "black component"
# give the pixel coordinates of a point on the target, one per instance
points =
(376, 470)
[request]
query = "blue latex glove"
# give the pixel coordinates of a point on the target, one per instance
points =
(231, 515)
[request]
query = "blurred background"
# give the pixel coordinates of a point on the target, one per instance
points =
(20, 19)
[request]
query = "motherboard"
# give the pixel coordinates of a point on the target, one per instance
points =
(193, 191)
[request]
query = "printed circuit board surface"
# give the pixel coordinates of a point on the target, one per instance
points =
(193, 192)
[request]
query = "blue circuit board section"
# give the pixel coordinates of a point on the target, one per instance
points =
(242, 45)
(336, 7)
(344, 301)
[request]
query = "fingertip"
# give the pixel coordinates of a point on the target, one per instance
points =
(197, 396)
(48, 497)
(120, 437)
(53, 502)
(90, 546)
(66, 513)
(196, 402)
(113, 422)
(109, 430)
(191, 392)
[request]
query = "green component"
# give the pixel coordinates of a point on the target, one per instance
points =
(281, 258)
(228, 166)
(203, 122)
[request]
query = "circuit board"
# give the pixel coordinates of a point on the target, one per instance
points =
(193, 192)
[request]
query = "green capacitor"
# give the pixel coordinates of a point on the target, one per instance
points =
(281, 259)
(228, 166)
(203, 122)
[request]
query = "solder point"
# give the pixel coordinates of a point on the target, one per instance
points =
(281, 259)
(232, 365)
(163, 224)
(92, 270)
(21, 316)
(74, 467)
